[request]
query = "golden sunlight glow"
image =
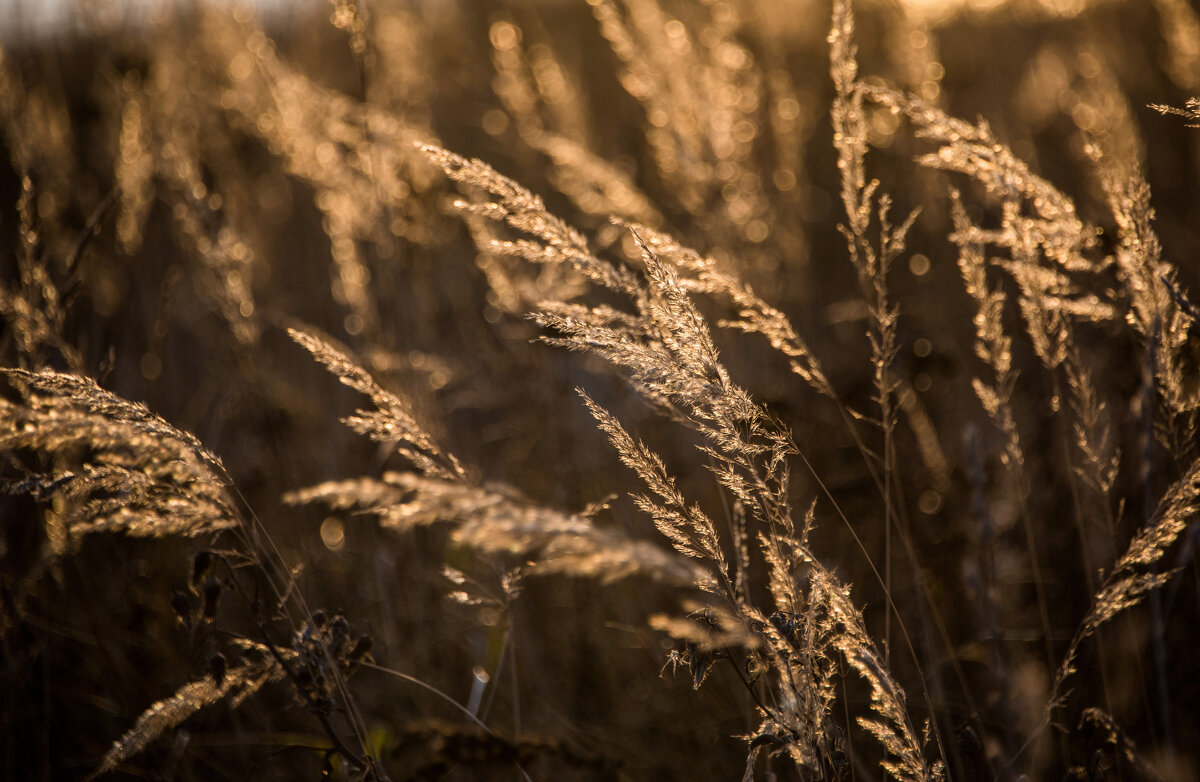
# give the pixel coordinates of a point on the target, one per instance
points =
(936, 11)
(333, 534)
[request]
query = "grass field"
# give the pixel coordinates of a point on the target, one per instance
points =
(621, 389)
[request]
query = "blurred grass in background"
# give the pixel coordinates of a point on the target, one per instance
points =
(244, 175)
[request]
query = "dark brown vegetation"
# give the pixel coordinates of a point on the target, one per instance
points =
(871, 453)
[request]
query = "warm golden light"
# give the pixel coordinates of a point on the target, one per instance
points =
(333, 534)
(839, 357)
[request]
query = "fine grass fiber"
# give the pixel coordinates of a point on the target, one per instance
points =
(630, 389)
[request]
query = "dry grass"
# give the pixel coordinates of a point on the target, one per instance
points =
(898, 497)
